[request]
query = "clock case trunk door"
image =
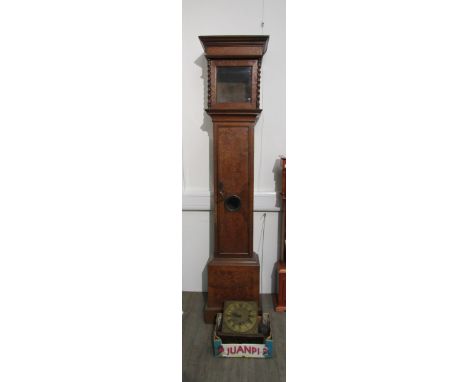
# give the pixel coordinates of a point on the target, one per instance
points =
(233, 180)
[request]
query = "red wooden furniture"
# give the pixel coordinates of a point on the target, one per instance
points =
(280, 303)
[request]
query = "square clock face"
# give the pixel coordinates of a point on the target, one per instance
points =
(234, 84)
(240, 317)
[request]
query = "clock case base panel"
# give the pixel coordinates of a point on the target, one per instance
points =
(231, 279)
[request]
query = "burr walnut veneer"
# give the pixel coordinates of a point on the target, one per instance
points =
(234, 65)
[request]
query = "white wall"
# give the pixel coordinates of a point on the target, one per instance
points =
(217, 17)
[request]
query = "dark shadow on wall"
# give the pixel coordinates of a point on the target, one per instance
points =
(277, 174)
(211, 249)
(207, 127)
(274, 280)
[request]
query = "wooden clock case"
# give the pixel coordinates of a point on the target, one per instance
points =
(234, 65)
(280, 298)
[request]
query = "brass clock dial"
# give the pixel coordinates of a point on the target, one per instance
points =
(240, 317)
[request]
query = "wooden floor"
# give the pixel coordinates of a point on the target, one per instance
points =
(198, 362)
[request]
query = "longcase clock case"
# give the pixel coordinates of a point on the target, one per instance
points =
(234, 73)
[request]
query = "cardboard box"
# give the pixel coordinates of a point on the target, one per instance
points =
(249, 347)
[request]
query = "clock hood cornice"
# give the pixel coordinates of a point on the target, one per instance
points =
(253, 46)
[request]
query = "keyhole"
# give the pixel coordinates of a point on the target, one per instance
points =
(232, 203)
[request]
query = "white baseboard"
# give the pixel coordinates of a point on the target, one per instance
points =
(202, 201)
